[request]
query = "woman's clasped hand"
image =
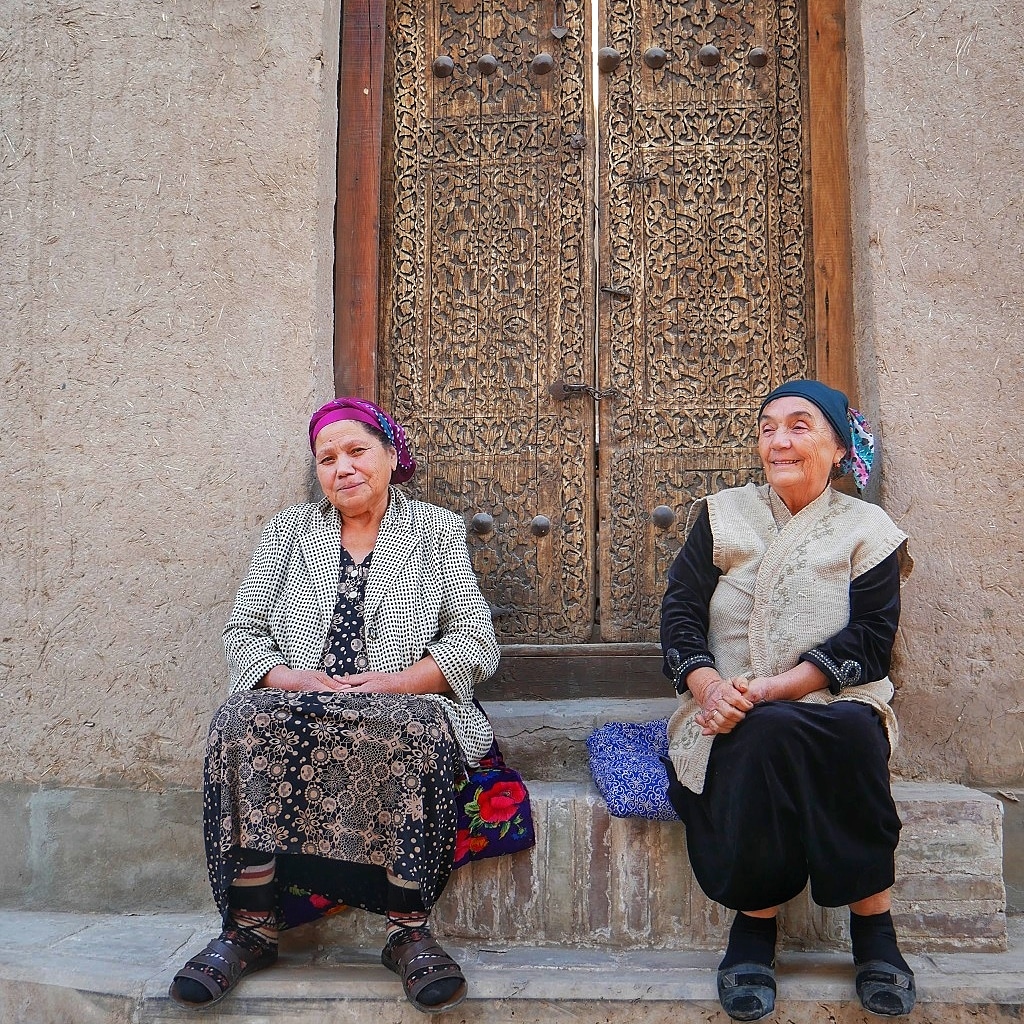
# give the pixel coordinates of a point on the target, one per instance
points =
(724, 703)
(311, 681)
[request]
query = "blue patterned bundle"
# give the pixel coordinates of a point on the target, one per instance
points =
(625, 760)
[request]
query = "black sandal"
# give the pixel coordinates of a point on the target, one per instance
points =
(417, 958)
(222, 964)
(885, 990)
(747, 991)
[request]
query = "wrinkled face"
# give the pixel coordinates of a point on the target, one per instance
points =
(353, 467)
(798, 450)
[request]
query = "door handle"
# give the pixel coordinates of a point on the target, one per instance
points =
(621, 291)
(559, 390)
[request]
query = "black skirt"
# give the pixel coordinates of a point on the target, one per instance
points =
(340, 788)
(795, 791)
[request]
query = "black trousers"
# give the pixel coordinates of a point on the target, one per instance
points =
(795, 791)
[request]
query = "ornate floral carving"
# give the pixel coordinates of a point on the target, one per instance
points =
(705, 207)
(487, 290)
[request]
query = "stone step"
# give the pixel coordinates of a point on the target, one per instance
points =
(624, 883)
(546, 739)
(108, 969)
(592, 881)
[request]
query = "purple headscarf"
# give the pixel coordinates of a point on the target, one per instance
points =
(373, 416)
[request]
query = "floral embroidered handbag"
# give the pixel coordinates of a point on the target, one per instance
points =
(494, 815)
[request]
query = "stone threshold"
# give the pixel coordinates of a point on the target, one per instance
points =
(110, 969)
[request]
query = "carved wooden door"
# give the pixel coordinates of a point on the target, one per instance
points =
(488, 290)
(705, 264)
(487, 277)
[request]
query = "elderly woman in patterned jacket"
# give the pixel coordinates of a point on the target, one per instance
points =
(778, 625)
(355, 643)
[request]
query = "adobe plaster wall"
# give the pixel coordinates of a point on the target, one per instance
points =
(166, 193)
(166, 202)
(937, 146)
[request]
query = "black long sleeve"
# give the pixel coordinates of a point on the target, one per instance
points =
(861, 652)
(684, 609)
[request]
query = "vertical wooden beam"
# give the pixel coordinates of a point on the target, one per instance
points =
(830, 190)
(357, 224)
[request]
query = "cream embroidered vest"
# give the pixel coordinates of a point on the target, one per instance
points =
(784, 589)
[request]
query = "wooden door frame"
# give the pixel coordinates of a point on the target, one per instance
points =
(357, 218)
(831, 218)
(357, 212)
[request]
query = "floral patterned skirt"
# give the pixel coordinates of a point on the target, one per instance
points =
(340, 788)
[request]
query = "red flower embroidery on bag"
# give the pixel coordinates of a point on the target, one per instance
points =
(501, 802)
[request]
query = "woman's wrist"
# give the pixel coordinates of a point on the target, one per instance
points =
(701, 681)
(277, 675)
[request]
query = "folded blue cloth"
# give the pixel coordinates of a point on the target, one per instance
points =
(625, 760)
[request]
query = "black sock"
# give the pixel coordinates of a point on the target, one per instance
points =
(403, 899)
(751, 941)
(191, 991)
(873, 937)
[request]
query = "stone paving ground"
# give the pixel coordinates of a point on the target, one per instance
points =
(109, 969)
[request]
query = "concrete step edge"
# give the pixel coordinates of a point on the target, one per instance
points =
(106, 955)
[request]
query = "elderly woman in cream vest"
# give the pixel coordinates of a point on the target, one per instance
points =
(778, 625)
(355, 643)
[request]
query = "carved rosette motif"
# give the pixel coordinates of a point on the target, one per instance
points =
(705, 203)
(486, 288)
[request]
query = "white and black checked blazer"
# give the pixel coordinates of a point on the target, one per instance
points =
(421, 597)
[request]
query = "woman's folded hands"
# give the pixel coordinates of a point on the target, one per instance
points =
(423, 676)
(724, 702)
(311, 681)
